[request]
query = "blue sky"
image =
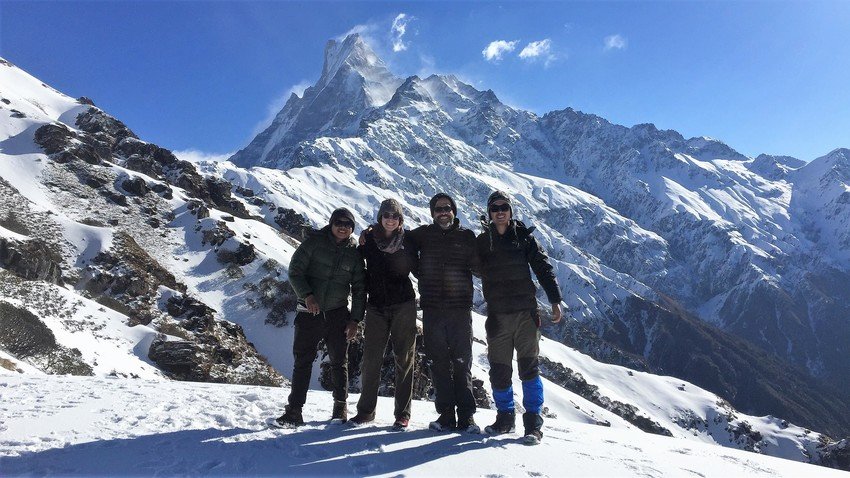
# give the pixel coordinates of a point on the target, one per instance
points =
(764, 77)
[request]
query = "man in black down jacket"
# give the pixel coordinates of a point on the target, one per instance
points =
(447, 259)
(506, 250)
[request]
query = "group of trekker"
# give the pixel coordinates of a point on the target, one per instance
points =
(375, 271)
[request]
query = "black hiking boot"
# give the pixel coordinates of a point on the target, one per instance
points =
(291, 418)
(340, 412)
(468, 425)
(361, 419)
(445, 422)
(505, 423)
(532, 422)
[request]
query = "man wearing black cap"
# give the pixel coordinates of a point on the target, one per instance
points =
(506, 250)
(447, 259)
(324, 270)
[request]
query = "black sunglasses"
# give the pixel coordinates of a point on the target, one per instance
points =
(442, 208)
(500, 207)
(345, 224)
(391, 215)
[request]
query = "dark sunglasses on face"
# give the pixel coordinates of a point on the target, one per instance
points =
(500, 208)
(442, 208)
(345, 224)
(391, 215)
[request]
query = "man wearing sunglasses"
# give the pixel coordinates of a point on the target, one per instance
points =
(324, 270)
(506, 250)
(447, 260)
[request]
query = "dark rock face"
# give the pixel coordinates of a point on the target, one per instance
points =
(199, 209)
(30, 260)
(243, 255)
(217, 235)
(135, 186)
(212, 350)
(292, 223)
(53, 138)
(127, 279)
(836, 455)
(26, 337)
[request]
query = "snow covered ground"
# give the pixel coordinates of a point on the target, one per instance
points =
(60, 426)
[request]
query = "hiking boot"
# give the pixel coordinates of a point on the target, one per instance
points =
(340, 412)
(400, 424)
(291, 418)
(445, 422)
(532, 423)
(505, 423)
(361, 419)
(468, 425)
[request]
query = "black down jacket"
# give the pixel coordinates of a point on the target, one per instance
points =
(505, 274)
(388, 275)
(447, 260)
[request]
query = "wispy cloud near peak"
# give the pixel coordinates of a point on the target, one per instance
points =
(398, 31)
(538, 50)
(496, 49)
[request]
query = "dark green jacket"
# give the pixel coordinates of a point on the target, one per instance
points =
(330, 272)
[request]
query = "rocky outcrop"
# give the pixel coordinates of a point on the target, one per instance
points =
(31, 260)
(212, 350)
(292, 223)
(27, 338)
(127, 279)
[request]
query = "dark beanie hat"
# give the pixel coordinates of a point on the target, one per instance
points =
(497, 196)
(391, 205)
(342, 213)
(437, 197)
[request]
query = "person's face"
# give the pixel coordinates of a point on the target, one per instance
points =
(443, 215)
(390, 221)
(342, 229)
(500, 213)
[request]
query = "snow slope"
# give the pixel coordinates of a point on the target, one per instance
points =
(110, 427)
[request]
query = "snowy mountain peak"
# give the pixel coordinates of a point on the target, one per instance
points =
(352, 56)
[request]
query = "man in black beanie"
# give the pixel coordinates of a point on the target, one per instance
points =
(324, 270)
(508, 253)
(447, 260)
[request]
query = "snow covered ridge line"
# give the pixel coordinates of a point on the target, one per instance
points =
(84, 426)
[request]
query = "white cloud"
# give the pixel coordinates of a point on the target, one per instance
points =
(615, 42)
(496, 49)
(398, 30)
(538, 50)
(276, 105)
(196, 156)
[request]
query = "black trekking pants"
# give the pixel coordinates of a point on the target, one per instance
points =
(309, 331)
(448, 347)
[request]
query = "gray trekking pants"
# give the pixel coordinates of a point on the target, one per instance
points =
(398, 324)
